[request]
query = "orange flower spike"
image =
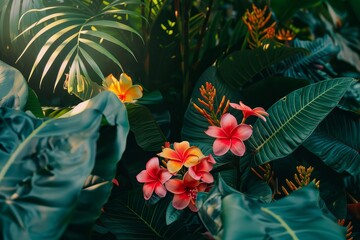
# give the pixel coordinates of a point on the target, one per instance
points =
(285, 35)
(123, 88)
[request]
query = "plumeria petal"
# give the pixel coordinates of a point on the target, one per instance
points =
(191, 160)
(181, 148)
(207, 177)
(228, 122)
(173, 166)
(164, 176)
(133, 93)
(192, 207)
(144, 177)
(152, 167)
(215, 132)
(237, 147)
(221, 146)
(194, 151)
(160, 190)
(109, 80)
(125, 82)
(242, 132)
(192, 172)
(190, 182)
(175, 186)
(148, 190)
(181, 201)
(169, 153)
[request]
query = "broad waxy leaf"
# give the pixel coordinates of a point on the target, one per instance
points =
(284, 9)
(13, 87)
(293, 118)
(300, 215)
(240, 67)
(45, 162)
(336, 142)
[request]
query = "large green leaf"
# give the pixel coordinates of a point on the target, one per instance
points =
(241, 67)
(44, 164)
(209, 205)
(284, 9)
(336, 142)
(301, 215)
(13, 87)
(293, 118)
(129, 217)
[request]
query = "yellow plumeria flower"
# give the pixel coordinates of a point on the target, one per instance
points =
(123, 88)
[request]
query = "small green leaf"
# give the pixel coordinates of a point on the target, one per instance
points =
(33, 104)
(172, 214)
(148, 135)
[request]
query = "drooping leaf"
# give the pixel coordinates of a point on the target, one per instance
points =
(148, 135)
(314, 65)
(284, 10)
(293, 118)
(336, 142)
(45, 162)
(128, 217)
(13, 87)
(33, 104)
(209, 205)
(298, 216)
(241, 67)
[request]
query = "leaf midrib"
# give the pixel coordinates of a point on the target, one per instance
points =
(143, 220)
(257, 149)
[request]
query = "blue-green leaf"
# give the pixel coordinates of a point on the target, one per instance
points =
(13, 87)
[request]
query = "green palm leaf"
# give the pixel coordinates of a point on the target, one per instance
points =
(75, 37)
(129, 217)
(337, 146)
(293, 118)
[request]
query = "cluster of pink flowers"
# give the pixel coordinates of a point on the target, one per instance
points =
(185, 172)
(230, 135)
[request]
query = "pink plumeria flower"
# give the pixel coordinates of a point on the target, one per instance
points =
(229, 136)
(247, 111)
(185, 191)
(153, 178)
(202, 170)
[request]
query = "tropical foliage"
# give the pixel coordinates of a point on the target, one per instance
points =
(153, 119)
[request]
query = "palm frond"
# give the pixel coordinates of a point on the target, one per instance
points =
(76, 38)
